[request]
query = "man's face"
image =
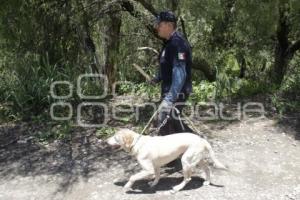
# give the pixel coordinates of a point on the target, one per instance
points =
(164, 29)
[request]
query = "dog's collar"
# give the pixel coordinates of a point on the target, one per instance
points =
(135, 142)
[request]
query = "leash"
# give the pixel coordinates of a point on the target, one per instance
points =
(180, 121)
(149, 122)
(194, 127)
(145, 128)
(165, 121)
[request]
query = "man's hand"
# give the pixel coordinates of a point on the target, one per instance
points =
(165, 106)
(164, 109)
(153, 81)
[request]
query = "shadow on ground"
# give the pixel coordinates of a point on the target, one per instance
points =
(82, 157)
(165, 184)
(290, 124)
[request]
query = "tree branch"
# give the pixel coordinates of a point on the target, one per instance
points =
(183, 27)
(148, 7)
(148, 48)
(127, 5)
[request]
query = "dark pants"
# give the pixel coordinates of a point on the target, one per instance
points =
(174, 124)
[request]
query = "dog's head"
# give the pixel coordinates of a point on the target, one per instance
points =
(122, 139)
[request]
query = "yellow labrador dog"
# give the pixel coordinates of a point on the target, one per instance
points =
(154, 152)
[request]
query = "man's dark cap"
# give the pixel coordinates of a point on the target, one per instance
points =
(165, 16)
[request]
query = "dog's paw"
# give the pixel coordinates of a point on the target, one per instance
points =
(176, 188)
(172, 191)
(168, 192)
(152, 183)
(206, 183)
(127, 187)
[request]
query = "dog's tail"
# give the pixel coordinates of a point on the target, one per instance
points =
(216, 163)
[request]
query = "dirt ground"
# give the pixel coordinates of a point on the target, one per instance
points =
(263, 157)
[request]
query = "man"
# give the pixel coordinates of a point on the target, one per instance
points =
(174, 73)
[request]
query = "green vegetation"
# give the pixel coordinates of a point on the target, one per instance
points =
(240, 49)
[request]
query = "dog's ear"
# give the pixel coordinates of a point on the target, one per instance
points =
(127, 140)
(117, 130)
(121, 130)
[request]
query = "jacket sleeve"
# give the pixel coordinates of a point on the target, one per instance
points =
(178, 80)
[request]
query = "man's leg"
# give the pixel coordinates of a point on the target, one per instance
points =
(178, 127)
(166, 127)
(174, 124)
(178, 124)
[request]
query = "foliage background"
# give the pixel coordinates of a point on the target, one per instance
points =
(240, 49)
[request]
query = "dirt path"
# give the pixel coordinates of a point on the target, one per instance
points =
(264, 160)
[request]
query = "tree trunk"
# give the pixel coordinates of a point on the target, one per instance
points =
(111, 47)
(87, 41)
(281, 57)
(280, 65)
(284, 50)
(242, 63)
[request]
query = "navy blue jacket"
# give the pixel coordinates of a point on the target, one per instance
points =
(175, 61)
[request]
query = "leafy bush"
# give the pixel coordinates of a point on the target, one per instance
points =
(287, 98)
(26, 84)
(105, 132)
(203, 91)
(248, 87)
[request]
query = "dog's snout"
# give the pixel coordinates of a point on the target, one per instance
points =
(111, 141)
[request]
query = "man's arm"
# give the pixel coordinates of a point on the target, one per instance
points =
(178, 80)
(157, 77)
